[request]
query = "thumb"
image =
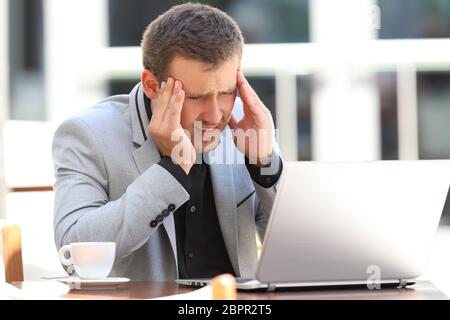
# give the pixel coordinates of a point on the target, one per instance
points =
(232, 122)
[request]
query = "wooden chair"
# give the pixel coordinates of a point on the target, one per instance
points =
(11, 252)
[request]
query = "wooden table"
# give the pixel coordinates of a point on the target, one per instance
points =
(422, 290)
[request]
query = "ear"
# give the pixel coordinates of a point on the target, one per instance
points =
(150, 84)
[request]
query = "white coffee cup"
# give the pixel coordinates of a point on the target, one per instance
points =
(91, 260)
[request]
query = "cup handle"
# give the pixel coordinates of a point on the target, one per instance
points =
(62, 255)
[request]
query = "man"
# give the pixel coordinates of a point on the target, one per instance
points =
(151, 170)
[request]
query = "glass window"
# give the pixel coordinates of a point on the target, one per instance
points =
(26, 60)
(404, 19)
(261, 21)
(387, 88)
(304, 90)
(433, 99)
(121, 86)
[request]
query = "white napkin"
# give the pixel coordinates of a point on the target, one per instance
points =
(34, 290)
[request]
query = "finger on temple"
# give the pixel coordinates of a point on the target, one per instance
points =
(176, 104)
(246, 94)
(166, 92)
(232, 122)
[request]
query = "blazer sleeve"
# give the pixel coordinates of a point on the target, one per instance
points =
(266, 195)
(82, 209)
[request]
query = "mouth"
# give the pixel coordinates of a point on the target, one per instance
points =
(210, 129)
(208, 133)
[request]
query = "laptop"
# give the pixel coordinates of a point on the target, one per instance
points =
(350, 224)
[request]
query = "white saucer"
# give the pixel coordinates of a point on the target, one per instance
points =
(76, 283)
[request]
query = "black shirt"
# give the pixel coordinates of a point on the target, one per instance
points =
(201, 250)
(200, 245)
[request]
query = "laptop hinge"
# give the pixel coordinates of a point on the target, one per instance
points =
(271, 287)
(403, 283)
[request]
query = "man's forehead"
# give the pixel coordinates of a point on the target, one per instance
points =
(207, 89)
(202, 78)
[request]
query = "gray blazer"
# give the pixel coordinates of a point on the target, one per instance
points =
(109, 187)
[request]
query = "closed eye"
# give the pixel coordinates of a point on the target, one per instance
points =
(229, 93)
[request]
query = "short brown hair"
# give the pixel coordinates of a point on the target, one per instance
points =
(191, 30)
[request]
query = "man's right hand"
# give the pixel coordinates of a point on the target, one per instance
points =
(165, 127)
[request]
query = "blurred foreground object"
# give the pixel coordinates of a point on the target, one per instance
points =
(11, 252)
(34, 290)
(224, 287)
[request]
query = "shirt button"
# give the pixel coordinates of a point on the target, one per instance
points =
(190, 255)
(153, 224)
(193, 209)
(165, 213)
(171, 207)
(159, 218)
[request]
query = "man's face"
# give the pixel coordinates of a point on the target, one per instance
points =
(210, 94)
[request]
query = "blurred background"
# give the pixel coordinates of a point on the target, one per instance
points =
(345, 80)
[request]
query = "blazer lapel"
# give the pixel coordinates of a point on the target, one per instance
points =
(224, 196)
(147, 154)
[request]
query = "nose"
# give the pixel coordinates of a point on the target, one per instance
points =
(212, 115)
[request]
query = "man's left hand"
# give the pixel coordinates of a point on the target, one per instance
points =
(253, 133)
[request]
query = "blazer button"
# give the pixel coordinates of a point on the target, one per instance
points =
(165, 213)
(153, 224)
(159, 218)
(171, 207)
